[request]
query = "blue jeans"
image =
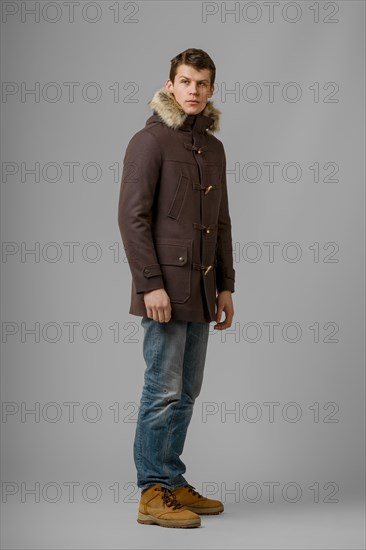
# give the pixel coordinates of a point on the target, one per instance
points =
(175, 354)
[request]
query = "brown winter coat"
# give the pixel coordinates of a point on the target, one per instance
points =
(173, 210)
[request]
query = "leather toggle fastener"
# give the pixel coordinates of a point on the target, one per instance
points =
(206, 189)
(206, 228)
(192, 147)
(203, 268)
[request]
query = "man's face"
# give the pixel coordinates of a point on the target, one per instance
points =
(191, 88)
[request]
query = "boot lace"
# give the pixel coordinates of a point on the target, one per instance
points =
(191, 489)
(169, 498)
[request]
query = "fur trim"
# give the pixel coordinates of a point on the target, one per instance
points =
(166, 106)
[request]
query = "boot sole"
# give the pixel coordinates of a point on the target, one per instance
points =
(205, 511)
(183, 523)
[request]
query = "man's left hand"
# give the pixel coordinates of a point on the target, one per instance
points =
(224, 303)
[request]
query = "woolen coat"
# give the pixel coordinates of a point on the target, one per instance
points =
(173, 211)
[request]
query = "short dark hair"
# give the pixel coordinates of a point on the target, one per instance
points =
(197, 58)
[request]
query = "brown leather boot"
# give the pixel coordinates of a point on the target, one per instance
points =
(197, 503)
(158, 505)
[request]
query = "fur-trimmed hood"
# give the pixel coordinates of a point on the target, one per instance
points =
(172, 114)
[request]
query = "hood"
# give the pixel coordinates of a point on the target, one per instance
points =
(172, 114)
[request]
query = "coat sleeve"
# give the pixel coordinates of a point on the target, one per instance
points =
(140, 178)
(225, 272)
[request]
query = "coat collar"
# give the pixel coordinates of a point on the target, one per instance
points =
(164, 104)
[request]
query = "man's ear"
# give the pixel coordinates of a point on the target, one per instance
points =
(169, 85)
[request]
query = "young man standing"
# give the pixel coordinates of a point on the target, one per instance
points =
(176, 230)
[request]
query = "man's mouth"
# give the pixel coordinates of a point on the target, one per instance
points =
(192, 101)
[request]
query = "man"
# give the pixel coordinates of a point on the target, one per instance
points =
(175, 225)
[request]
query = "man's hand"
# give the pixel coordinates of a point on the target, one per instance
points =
(158, 306)
(224, 303)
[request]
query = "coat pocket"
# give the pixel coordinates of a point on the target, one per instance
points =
(178, 199)
(176, 270)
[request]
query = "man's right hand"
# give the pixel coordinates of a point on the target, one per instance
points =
(158, 306)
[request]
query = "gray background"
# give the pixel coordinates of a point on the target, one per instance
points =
(312, 370)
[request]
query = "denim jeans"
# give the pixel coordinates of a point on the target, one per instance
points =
(175, 354)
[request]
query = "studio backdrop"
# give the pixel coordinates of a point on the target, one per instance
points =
(280, 418)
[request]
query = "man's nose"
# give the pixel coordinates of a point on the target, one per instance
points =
(193, 88)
